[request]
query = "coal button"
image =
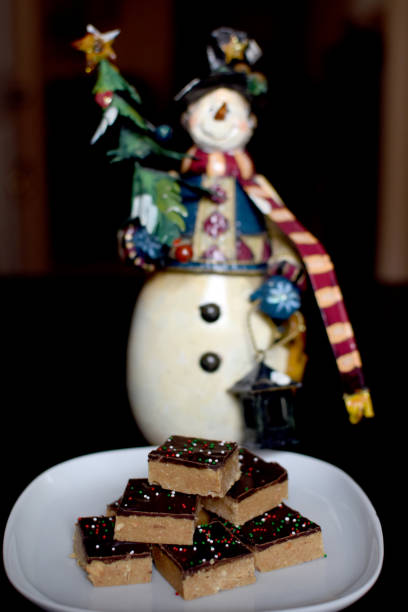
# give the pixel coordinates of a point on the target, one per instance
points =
(210, 312)
(210, 362)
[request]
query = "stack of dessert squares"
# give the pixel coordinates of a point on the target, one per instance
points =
(209, 515)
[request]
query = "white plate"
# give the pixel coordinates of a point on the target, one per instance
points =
(38, 542)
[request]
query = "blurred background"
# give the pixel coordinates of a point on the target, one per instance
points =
(332, 138)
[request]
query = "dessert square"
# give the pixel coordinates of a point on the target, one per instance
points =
(112, 508)
(216, 561)
(106, 561)
(149, 513)
(195, 465)
(261, 486)
(280, 537)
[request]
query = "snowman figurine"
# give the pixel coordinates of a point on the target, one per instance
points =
(217, 340)
(229, 294)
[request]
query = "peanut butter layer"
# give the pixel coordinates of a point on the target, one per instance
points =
(112, 508)
(216, 561)
(106, 561)
(280, 537)
(148, 513)
(195, 465)
(290, 552)
(261, 486)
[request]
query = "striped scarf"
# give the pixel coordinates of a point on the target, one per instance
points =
(318, 265)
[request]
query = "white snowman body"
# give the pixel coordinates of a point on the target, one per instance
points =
(169, 390)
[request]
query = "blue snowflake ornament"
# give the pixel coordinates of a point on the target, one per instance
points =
(279, 298)
(147, 244)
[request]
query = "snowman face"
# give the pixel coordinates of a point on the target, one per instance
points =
(220, 121)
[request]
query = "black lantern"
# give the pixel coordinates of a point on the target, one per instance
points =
(268, 398)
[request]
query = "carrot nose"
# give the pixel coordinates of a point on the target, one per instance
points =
(221, 112)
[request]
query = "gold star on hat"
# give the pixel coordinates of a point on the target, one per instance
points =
(234, 49)
(96, 46)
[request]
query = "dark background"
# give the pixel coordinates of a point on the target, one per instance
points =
(64, 329)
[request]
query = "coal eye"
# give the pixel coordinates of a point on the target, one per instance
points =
(210, 312)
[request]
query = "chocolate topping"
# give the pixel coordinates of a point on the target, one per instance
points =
(255, 474)
(212, 544)
(194, 452)
(142, 498)
(273, 527)
(99, 544)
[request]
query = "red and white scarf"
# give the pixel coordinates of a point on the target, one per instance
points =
(316, 261)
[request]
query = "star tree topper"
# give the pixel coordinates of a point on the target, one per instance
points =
(96, 46)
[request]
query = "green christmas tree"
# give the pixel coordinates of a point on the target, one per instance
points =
(155, 195)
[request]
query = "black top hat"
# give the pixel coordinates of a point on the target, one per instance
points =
(230, 54)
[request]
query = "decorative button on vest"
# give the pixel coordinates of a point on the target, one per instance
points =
(216, 224)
